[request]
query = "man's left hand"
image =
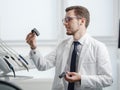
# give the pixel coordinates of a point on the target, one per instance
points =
(72, 77)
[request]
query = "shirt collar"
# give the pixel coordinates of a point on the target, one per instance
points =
(83, 38)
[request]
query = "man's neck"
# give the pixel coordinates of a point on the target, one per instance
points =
(78, 35)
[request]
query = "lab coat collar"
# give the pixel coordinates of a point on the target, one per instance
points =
(83, 39)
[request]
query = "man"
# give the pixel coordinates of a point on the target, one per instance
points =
(84, 59)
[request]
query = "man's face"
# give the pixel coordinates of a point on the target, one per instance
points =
(71, 22)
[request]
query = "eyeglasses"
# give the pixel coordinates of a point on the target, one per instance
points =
(68, 19)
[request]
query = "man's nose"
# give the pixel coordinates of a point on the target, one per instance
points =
(65, 23)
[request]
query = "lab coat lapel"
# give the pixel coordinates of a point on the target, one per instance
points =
(84, 52)
(66, 54)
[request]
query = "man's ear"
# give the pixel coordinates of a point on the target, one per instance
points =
(82, 21)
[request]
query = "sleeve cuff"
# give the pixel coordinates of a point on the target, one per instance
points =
(33, 52)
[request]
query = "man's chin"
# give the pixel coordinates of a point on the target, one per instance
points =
(68, 33)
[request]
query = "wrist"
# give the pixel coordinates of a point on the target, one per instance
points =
(33, 48)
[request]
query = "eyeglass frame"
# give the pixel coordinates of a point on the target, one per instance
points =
(68, 19)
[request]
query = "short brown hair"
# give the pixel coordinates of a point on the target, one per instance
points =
(80, 11)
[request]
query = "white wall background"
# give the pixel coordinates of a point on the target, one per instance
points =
(18, 17)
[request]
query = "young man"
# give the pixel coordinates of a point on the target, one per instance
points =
(84, 59)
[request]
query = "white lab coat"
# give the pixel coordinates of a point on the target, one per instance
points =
(94, 64)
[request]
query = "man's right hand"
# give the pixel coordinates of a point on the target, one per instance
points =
(31, 40)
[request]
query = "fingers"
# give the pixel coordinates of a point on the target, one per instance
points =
(69, 76)
(30, 36)
(72, 77)
(31, 40)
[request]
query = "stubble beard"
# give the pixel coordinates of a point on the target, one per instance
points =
(68, 33)
(71, 33)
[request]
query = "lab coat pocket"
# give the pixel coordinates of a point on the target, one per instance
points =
(89, 66)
